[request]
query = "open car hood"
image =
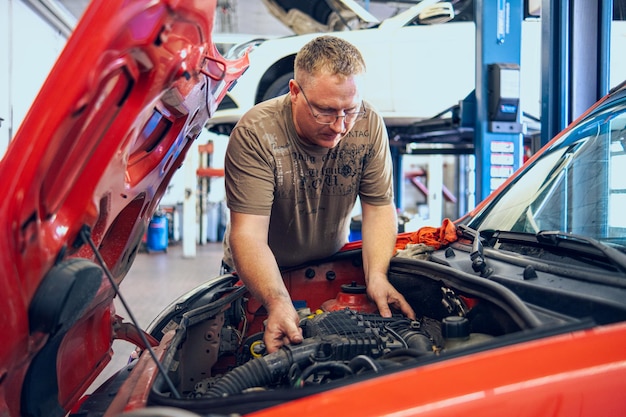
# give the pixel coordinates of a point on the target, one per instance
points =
(133, 88)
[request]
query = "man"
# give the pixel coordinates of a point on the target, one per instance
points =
(294, 168)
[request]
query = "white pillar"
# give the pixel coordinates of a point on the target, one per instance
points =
(190, 200)
(435, 189)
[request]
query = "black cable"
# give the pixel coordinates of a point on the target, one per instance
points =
(323, 366)
(362, 362)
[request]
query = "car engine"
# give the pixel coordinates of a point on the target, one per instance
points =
(336, 345)
(342, 341)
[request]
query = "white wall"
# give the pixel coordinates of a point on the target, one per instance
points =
(29, 46)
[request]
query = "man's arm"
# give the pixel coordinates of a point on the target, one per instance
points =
(379, 230)
(256, 266)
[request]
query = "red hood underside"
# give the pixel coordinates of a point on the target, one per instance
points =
(133, 88)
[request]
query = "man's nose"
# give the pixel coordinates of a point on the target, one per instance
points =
(339, 125)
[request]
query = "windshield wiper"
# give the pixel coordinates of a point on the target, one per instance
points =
(551, 238)
(575, 241)
(479, 264)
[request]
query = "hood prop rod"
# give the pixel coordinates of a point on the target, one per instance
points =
(85, 234)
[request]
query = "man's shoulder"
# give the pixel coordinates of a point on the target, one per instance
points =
(273, 107)
(265, 125)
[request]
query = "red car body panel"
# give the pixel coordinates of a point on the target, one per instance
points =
(133, 394)
(577, 377)
(130, 92)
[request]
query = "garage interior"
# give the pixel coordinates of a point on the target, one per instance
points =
(444, 166)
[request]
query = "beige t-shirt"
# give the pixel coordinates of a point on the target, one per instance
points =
(308, 191)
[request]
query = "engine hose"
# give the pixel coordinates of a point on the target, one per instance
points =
(405, 354)
(417, 340)
(336, 367)
(263, 371)
(364, 362)
(253, 373)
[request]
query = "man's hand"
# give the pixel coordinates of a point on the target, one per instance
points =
(283, 326)
(379, 228)
(380, 290)
(257, 268)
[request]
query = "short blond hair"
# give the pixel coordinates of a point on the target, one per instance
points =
(331, 55)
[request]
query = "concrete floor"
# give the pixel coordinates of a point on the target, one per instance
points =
(154, 281)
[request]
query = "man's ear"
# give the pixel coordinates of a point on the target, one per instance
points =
(294, 90)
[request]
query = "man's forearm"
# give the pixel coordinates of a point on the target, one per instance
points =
(257, 268)
(379, 231)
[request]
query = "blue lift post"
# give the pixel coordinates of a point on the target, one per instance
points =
(498, 136)
(575, 49)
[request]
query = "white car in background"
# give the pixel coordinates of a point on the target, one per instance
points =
(420, 62)
(226, 41)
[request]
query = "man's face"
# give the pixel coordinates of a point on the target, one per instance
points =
(321, 98)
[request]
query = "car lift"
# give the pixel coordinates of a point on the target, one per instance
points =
(487, 123)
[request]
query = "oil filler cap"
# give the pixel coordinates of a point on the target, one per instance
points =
(455, 327)
(353, 288)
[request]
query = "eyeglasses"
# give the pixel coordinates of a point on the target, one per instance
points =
(328, 118)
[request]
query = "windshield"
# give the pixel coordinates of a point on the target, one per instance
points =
(577, 186)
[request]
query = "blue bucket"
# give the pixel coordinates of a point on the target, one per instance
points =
(157, 234)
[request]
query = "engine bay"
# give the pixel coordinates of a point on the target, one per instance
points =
(217, 354)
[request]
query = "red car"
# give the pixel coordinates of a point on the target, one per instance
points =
(521, 304)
